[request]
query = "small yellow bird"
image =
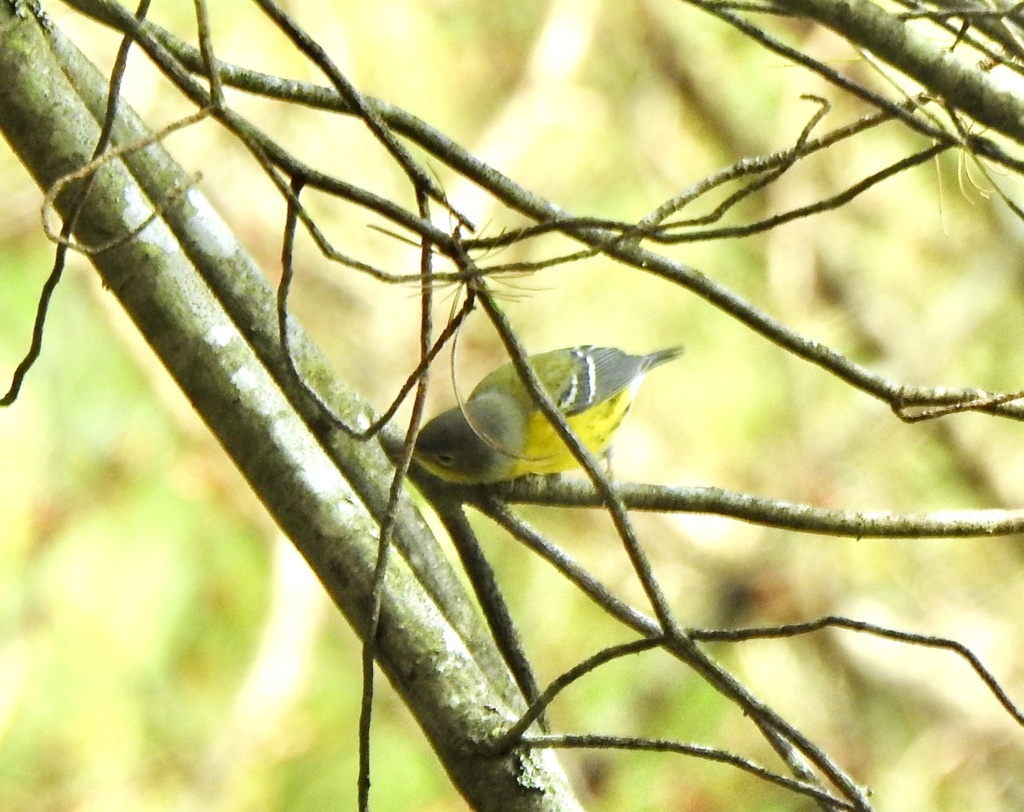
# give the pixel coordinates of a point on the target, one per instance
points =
(499, 433)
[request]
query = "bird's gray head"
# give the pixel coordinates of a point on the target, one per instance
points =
(451, 446)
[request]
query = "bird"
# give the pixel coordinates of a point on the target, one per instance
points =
(499, 433)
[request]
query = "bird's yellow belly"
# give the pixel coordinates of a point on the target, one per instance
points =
(545, 453)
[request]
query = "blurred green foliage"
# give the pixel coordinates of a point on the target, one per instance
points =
(160, 648)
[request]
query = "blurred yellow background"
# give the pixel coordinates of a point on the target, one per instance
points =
(162, 648)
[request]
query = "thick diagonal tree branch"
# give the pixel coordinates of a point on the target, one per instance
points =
(899, 43)
(208, 315)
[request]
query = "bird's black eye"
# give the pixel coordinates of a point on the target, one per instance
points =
(447, 460)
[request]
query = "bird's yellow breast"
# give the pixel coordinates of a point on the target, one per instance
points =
(545, 453)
